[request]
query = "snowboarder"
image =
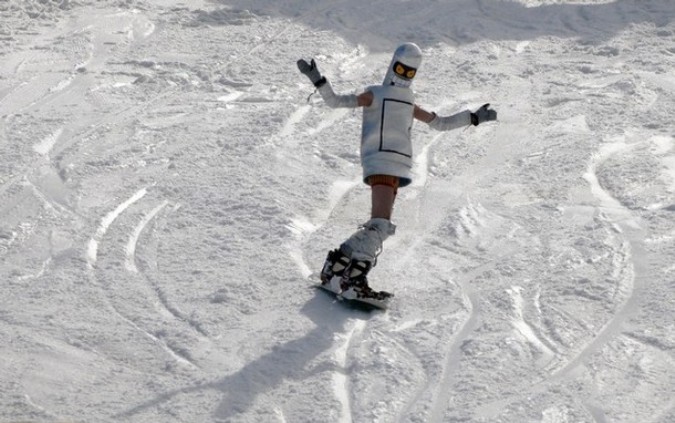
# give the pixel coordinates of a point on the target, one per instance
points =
(386, 158)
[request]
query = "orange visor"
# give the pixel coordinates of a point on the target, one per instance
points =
(404, 71)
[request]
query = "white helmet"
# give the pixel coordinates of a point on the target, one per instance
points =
(403, 67)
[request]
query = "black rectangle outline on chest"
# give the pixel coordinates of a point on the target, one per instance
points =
(384, 105)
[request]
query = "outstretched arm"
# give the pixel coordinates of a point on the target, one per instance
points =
(326, 89)
(346, 100)
(464, 118)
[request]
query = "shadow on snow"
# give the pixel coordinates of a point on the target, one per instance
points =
(285, 362)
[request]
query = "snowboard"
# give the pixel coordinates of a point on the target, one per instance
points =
(363, 304)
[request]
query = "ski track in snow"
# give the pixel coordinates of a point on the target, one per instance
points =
(106, 221)
(341, 377)
(130, 262)
(630, 266)
(92, 257)
(453, 355)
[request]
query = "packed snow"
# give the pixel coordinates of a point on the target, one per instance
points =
(170, 186)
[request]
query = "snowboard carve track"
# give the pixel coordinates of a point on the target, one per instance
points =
(630, 269)
(130, 264)
(130, 261)
(106, 221)
(454, 354)
(92, 257)
(341, 375)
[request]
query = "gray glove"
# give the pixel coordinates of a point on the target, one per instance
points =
(484, 114)
(312, 72)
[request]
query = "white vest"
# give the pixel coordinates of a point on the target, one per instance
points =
(386, 147)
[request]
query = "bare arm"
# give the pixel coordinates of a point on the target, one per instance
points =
(365, 99)
(423, 115)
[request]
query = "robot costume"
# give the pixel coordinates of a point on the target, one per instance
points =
(386, 149)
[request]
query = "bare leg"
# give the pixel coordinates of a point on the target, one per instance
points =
(383, 197)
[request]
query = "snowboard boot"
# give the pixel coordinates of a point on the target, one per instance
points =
(354, 283)
(335, 265)
(345, 269)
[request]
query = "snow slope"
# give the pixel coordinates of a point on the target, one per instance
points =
(167, 192)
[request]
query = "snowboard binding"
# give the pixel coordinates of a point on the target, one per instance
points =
(347, 277)
(335, 265)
